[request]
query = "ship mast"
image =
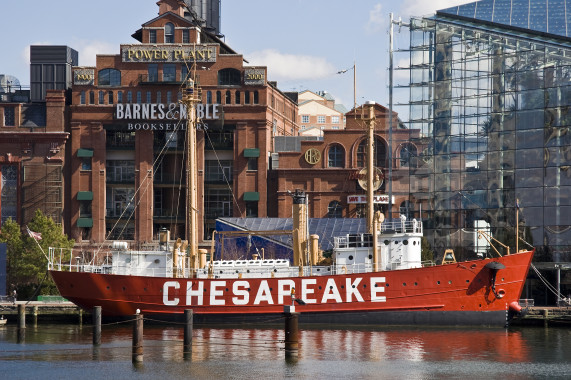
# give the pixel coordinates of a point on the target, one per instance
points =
(192, 96)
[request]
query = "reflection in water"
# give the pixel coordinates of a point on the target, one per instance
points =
(257, 353)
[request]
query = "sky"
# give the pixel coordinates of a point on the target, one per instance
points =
(304, 43)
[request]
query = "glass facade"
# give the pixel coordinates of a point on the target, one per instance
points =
(492, 108)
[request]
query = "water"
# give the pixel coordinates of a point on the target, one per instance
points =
(66, 352)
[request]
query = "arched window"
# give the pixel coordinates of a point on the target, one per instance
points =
(169, 33)
(130, 97)
(379, 153)
(101, 97)
(228, 97)
(82, 98)
(218, 97)
(119, 96)
(408, 154)
(247, 97)
(237, 97)
(208, 97)
(169, 97)
(407, 209)
(229, 77)
(109, 77)
(91, 97)
(334, 210)
(159, 96)
(336, 156)
(110, 97)
(139, 97)
(256, 97)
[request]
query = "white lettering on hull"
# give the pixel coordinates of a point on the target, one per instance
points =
(194, 291)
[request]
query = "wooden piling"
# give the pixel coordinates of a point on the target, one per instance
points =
(188, 328)
(291, 332)
(35, 313)
(80, 315)
(21, 323)
(97, 325)
(137, 352)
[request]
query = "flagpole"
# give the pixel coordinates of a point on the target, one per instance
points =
(516, 226)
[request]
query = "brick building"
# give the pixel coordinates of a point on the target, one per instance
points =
(127, 149)
(328, 168)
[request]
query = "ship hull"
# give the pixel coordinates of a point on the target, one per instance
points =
(466, 293)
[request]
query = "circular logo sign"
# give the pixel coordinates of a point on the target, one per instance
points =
(378, 178)
(312, 156)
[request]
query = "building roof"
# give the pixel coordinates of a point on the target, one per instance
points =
(544, 16)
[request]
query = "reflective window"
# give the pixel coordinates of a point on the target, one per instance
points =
(229, 77)
(152, 36)
(334, 210)
(379, 152)
(169, 33)
(169, 72)
(109, 77)
(336, 156)
(153, 70)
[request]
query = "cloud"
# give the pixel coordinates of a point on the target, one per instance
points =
(424, 7)
(377, 20)
(283, 66)
(88, 51)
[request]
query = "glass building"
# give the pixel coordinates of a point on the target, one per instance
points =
(490, 91)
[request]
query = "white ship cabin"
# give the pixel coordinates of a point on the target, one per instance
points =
(140, 263)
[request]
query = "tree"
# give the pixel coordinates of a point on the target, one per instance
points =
(27, 257)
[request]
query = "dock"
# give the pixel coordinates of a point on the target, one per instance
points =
(555, 316)
(44, 311)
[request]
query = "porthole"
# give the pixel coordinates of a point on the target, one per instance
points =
(275, 270)
(405, 242)
(157, 261)
(416, 283)
(226, 289)
(467, 281)
(414, 242)
(320, 287)
(438, 282)
(450, 282)
(387, 284)
(404, 284)
(350, 257)
(386, 242)
(124, 288)
(318, 269)
(331, 287)
(370, 257)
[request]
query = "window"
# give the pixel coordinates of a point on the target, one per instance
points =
(120, 171)
(185, 36)
(101, 97)
(334, 210)
(85, 209)
(247, 97)
(379, 150)
(217, 203)
(120, 97)
(159, 96)
(9, 194)
(305, 119)
(153, 70)
(9, 116)
(228, 97)
(109, 77)
(252, 163)
(218, 97)
(129, 97)
(407, 209)
(229, 77)
(120, 200)
(408, 155)
(85, 163)
(336, 156)
(149, 99)
(256, 97)
(209, 97)
(334, 119)
(82, 97)
(218, 171)
(169, 73)
(110, 97)
(169, 33)
(321, 119)
(139, 97)
(169, 97)
(237, 97)
(91, 97)
(183, 73)
(251, 209)
(152, 36)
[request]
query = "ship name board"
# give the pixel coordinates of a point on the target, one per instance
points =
(159, 111)
(242, 292)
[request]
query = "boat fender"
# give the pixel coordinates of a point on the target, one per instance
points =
(515, 307)
(344, 269)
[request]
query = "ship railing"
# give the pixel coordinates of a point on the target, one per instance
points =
(528, 302)
(428, 263)
(352, 268)
(402, 226)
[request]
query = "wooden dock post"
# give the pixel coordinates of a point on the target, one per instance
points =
(80, 315)
(138, 339)
(188, 319)
(21, 322)
(291, 332)
(97, 325)
(545, 317)
(35, 313)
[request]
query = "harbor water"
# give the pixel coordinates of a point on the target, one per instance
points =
(57, 351)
